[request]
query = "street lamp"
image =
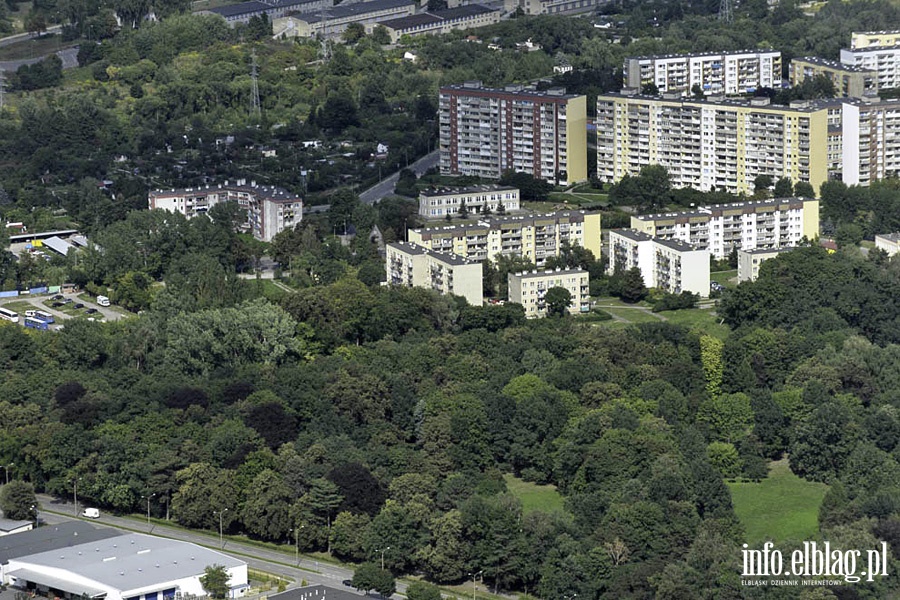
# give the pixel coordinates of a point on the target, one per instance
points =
(382, 556)
(220, 513)
(148, 507)
(74, 481)
(6, 468)
(474, 575)
(34, 514)
(296, 531)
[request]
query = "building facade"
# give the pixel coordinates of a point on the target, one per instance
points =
(778, 223)
(848, 80)
(437, 203)
(270, 209)
(889, 242)
(415, 266)
(749, 261)
(332, 21)
(438, 22)
(530, 288)
(870, 142)
(535, 238)
(486, 132)
(552, 7)
(729, 73)
(877, 51)
(667, 264)
(712, 144)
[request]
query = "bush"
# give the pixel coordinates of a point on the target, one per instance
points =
(676, 301)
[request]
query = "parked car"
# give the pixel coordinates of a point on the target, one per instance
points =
(91, 513)
(91, 311)
(79, 305)
(57, 297)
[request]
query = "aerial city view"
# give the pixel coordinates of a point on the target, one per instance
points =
(446, 299)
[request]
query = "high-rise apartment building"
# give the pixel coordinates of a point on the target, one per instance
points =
(715, 73)
(877, 51)
(870, 140)
(848, 80)
(270, 209)
(530, 289)
(668, 264)
(415, 266)
(712, 144)
(486, 132)
(535, 237)
(777, 223)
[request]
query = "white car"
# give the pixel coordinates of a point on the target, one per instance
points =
(91, 513)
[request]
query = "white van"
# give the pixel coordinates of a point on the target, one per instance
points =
(102, 300)
(30, 313)
(91, 513)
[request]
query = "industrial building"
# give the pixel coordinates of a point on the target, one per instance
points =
(487, 132)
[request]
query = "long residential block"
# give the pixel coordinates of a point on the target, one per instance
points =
(270, 209)
(411, 265)
(668, 264)
(530, 289)
(712, 144)
(535, 237)
(486, 132)
(877, 51)
(440, 202)
(777, 223)
(848, 80)
(870, 140)
(714, 73)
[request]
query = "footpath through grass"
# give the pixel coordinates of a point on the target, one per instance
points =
(534, 497)
(780, 508)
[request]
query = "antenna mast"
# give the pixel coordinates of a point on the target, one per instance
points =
(255, 108)
(726, 11)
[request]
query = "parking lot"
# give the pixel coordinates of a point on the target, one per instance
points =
(62, 307)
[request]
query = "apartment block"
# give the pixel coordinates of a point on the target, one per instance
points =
(535, 237)
(438, 203)
(716, 73)
(874, 39)
(530, 288)
(848, 80)
(270, 209)
(668, 264)
(712, 144)
(749, 261)
(870, 140)
(883, 59)
(769, 224)
(415, 266)
(486, 132)
(889, 242)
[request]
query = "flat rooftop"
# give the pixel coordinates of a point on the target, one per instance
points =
(447, 191)
(832, 64)
(52, 538)
(704, 54)
(707, 210)
(476, 88)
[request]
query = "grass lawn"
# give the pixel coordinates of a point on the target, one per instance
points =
(632, 315)
(726, 278)
(534, 497)
(20, 307)
(698, 319)
(35, 47)
(779, 508)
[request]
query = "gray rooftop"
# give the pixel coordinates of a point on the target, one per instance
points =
(131, 561)
(12, 525)
(468, 10)
(574, 216)
(411, 21)
(244, 8)
(343, 11)
(271, 192)
(476, 88)
(766, 250)
(633, 235)
(536, 274)
(806, 106)
(446, 191)
(678, 245)
(832, 64)
(890, 237)
(702, 54)
(59, 245)
(407, 247)
(314, 592)
(52, 538)
(707, 210)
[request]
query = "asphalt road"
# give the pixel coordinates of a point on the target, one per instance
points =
(385, 187)
(55, 511)
(69, 58)
(38, 302)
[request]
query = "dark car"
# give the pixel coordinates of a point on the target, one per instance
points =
(79, 305)
(91, 311)
(58, 304)
(57, 297)
(348, 582)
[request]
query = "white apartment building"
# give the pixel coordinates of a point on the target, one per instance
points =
(415, 266)
(668, 264)
(438, 203)
(712, 144)
(877, 51)
(487, 132)
(530, 288)
(535, 237)
(777, 223)
(749, 261)
(889, 242)
(716, 73)
(870, 140)
(270, 209)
